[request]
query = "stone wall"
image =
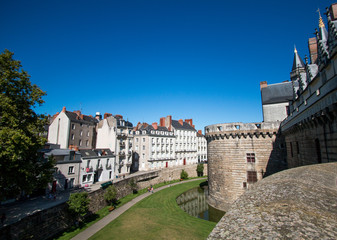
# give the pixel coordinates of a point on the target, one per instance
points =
(228, 168)
(46, 223)
(298, 203)
(313, 141)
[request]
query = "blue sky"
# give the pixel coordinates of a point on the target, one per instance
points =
(146, 59)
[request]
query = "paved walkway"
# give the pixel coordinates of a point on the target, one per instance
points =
(87, 233)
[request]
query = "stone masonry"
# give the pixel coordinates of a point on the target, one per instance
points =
(298, 203)
(230, 172)
(46, 223)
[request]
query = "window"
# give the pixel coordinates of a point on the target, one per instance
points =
(84, 179)
(88, 134)
(72, 126)
(87, 143)
(110, 174)
(80, 143)
(250, 157)
(297, 148)
(72, 136)
(143, 147)
(71, 170)
(143, 139)
(137, 139)
(251, 176)
(81, 133)
(291, 150)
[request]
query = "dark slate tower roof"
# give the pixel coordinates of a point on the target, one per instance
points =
(297, 63)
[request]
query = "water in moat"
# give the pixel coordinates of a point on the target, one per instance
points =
(194, 202)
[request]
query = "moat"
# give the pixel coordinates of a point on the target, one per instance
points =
(194, 202)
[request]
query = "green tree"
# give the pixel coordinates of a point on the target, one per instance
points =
(183, 174)
(21, 167)
(110, 194)
(78, 204)
(200, 170)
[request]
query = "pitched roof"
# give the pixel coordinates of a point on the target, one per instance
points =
(75, 118)
(277, 93)
(185, 126)
(297, 63)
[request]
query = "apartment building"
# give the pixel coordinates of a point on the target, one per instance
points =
(73, 129)
(154, 147)
(115, 133)
(97, 166)
(201, 147)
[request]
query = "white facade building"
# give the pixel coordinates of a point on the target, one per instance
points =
(115, 133)
(154, 147)
(97, 166)
(201, 147)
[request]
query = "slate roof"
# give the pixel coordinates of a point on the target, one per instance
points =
(86, 119)
(277, 93)
(59, 152)
(185, 126)
(148, 128)
(95, 152)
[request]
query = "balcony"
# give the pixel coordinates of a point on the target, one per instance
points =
(108, 166)
(89, 169)
(121, 154)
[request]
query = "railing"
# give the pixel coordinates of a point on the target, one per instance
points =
(108, 166)
(89, 169)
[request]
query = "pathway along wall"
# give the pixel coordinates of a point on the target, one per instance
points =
(49, 222)
(299, 203)
(239, 154)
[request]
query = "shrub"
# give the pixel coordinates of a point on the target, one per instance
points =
(110, 195)
(78, 204)
(183, 174)
(200, 170)
(133, 185)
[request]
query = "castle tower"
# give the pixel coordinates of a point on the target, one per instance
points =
(296, 71)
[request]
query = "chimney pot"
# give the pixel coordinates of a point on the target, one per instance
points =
(155, 125)
(181, 122)
(263, 84)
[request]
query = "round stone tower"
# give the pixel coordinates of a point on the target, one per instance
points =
(240, 154)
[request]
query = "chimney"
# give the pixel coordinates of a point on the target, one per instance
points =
(263, 84)
(200, 132)
(119, 116)
(162, 122)
(106, 115)
(333, 11)
(312, 44)
(98, 116)
(64, 109)
(181, 122)
(168, 122)
(155, 125)
(190, 122)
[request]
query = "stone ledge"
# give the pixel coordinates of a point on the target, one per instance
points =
(298, 203)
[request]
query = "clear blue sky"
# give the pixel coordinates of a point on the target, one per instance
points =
(146, 59)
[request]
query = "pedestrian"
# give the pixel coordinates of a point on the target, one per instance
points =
(3, 218)
(152, 189)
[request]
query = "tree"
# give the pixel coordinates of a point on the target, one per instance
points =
(200, 170)
(110, 194)
(183, 174)
(21, 166)
(78, 204)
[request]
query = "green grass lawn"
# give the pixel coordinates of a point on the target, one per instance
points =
(158, 217)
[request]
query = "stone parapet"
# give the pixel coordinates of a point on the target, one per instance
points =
(298, 203)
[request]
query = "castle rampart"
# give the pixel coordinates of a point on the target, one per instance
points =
(239, 154)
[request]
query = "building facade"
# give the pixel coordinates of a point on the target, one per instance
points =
(154, 147)
(115, 133)
(310, 130)
(67, 169)
(97, 166)
(73, 129)
(201, 147)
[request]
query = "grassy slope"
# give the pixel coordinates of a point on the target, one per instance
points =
(158, 217)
